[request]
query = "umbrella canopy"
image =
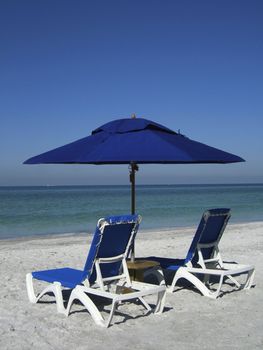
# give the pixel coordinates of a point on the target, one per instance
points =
(134, 141)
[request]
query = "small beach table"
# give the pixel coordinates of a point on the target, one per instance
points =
(138, 267)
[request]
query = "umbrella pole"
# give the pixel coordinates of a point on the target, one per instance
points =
(132, 180)
(133, 168)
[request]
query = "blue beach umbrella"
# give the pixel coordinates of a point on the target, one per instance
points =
(134, 141)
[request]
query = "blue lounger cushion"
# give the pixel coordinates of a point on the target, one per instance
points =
(67, 276)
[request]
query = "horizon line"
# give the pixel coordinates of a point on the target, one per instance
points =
(138, 185)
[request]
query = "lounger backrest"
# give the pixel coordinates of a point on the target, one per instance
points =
(113, 237)
(210, 229)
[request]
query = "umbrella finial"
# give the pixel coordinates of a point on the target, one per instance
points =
(133, 116)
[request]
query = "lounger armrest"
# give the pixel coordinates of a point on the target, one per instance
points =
(228, 270)
(110, 259)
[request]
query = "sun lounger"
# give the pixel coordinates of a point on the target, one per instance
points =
(203, 263)
(105, 273)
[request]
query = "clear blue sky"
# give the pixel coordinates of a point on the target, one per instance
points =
(68, 66)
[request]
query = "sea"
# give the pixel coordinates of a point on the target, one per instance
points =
(48, 210)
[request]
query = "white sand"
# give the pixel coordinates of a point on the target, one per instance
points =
(190, 321)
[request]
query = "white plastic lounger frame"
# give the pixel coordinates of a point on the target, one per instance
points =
(214, 266)
(228, 271)
(54, 288)
(202, 272)
(137, 290)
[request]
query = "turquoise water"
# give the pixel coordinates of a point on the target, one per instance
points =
(27, 211)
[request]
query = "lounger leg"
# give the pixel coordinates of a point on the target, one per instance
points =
(77, 293)
(248, 282)
(206, 279)
(160, 302)
(183, 273)
(54, 288)
(113, 308)
(250, 278)
(119, 289)
(59, 298)
(30, 289)
(145, 304)
(215, 294)
(177, 276)
(234, 281)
